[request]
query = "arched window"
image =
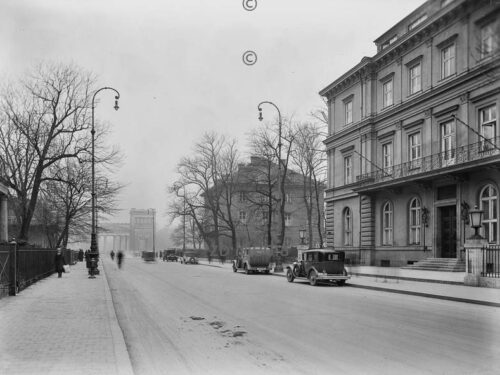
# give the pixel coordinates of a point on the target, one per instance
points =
(347, 216)
(387, 224)
(415, 215)
(489, 205)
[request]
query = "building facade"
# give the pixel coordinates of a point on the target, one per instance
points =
(142, 230)
(250, 208)
(413, 139)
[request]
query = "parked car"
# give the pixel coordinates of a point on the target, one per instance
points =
(319, 266)
(253, 259)
(148, 256)
(189, 257)
(170, 256)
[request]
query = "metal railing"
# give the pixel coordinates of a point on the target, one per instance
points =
(23, 266)
(491, 261)
(449, 158)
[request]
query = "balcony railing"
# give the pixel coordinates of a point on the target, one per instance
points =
(434, 162)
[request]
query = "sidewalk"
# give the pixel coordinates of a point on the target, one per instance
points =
(431, 284)
(62, 326)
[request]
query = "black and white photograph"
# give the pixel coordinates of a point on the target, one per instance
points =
(246, 187)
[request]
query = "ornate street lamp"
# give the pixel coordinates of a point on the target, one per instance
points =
(94, 250)
(279, 266)
(302, 236)
(476, 222)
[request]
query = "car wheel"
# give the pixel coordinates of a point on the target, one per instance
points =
(313, 278)
(289, 275)
(340, 282)
(192, 261)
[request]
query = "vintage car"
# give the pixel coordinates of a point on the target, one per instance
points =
(253, 259)
(319, 266)
(148, 256)
(189, 257)
(170, 256)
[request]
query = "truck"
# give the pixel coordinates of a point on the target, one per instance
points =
(253, 259)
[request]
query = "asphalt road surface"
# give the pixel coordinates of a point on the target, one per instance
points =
(197, 319)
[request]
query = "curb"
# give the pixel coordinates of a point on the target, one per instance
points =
(123, 364)
(407, 278)
(427, 295)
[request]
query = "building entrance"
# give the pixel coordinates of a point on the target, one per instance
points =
(448, 231)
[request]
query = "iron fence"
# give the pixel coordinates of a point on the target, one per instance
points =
(491, 261)
(22, 266)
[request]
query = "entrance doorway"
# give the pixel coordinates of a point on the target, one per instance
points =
(448, 231)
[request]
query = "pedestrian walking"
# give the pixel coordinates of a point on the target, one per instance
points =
(112, 254)
(119, 258)
(59, 262)
(209, 257)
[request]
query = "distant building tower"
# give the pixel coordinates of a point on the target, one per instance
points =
(142, 222)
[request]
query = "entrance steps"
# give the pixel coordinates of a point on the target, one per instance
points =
(438, 264)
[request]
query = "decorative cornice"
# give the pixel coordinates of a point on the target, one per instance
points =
(386, 135)
(447, 110)
(347, 149)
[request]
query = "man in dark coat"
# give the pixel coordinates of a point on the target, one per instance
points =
(59, 262)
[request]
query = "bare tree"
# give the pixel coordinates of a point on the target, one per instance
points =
(308, 157)
(265, 142)
(45, 119)
(204, 190)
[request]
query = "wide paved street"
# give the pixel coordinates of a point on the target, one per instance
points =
(194, 319)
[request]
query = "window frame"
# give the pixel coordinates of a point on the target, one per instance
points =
(447, 141)
(490, 218)
(348, 169)
(414, 81)
(385, 93)
(242, 216)
(348, 114)
(490, 37)
(415, 221)
(492, 123)
(387, 224)
(347, 226)
(387, 162)
(451, 61)
(415, 161)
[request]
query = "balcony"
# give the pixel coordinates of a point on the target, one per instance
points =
(454, 160)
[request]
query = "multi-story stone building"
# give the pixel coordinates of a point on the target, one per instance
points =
(413, 138)
(250, 208)
(142, 230)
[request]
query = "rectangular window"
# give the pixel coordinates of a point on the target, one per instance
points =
(348, 112)
(448, 143)
(243, 216)
(415, 78)
(387, 157)
(448, 61)
(388, 94)
(264, 217)
(488, 124)
(288, 220)
(487, 40)
(347, 170)
(414, 148)
(242, 197)
(288, 198)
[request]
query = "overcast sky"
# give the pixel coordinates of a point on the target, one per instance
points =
(178, 66)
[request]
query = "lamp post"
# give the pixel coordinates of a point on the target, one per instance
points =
(476, 221)
(94, 250)
(279, 266)
(302, 236)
